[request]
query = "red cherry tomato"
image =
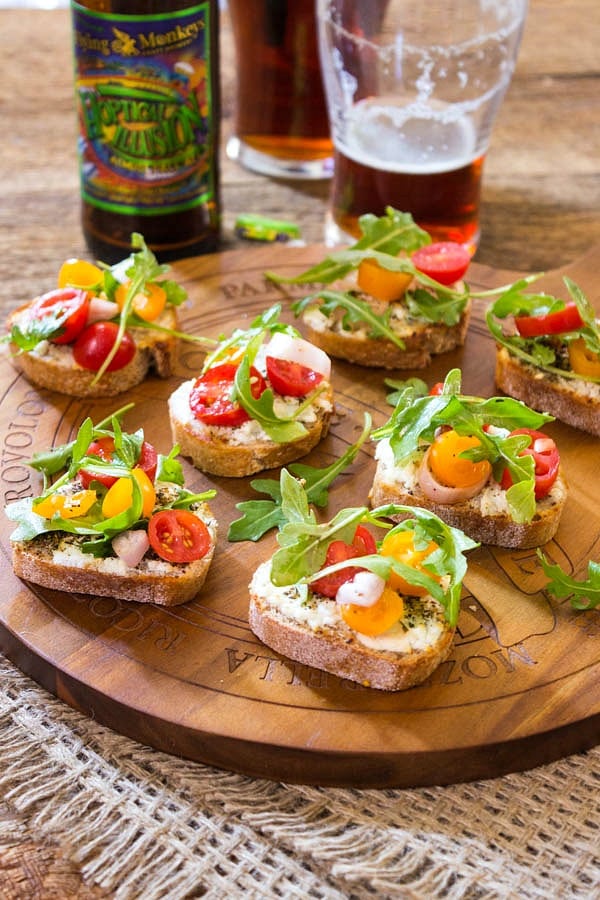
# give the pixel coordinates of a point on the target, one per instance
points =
(178, 536)
(362, 544)
(444, 261)
(210, 398)
(95, 343)
(291, 378)
(70, 306)
(104, 448)
(546, 458)
(436, 389)
(567, 319)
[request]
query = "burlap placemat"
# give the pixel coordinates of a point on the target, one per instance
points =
(139, 823)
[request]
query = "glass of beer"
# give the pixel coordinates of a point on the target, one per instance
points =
(281, 122)
(413, 90)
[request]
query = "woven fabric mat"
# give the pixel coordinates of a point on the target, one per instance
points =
(139, 823)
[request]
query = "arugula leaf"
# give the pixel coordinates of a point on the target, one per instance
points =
(416, 419)
(583, 594)
(542, 352)
(259, 516)
(282, 430)
(356, 311)
(445, 306)
(266, 322)
(35, 331)
(389, 234)
(303, 546)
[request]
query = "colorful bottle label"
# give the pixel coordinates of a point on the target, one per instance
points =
(144, 104)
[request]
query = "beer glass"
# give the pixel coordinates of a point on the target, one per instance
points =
(281, 124)
(413, 90)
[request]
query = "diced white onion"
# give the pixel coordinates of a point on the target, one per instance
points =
(543, 445)
(101, 310)
(365, 589)
(293, 349)
(130, 546)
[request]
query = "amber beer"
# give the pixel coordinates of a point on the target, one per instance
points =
(280, 110)
(434, 178)
(148, 106)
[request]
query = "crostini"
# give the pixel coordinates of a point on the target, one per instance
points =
(482, 465)
(114, 519)
(101, 330)
(396, 299)
(381, 613)
(548, 353)
(263, 399)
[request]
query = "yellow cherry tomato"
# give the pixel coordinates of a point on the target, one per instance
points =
(375, 619)
(583, 361)
(68, 506)
(148, 303)
(79, 273)
(449, 467)
(119, 496)
(383, 284)
(401, 546)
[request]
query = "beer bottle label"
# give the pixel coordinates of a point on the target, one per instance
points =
(144, 105)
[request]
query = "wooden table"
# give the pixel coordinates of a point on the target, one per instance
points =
(541, 194)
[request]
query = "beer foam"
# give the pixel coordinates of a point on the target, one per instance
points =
(414, 139)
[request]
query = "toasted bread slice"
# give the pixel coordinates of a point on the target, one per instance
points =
(236, 452)
(572, 400)
(422, 340)
(54, 560)
(483, 518)
(313, 633)
(53, 366)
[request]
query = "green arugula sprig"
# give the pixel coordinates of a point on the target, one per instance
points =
(303, 544)
(67, 459)
(241, 339)
(417, 417)
(541, 351)
(356, 311)
(141, 268)
(259, 516)
(583, 594)
(383, 238)
(279, 428)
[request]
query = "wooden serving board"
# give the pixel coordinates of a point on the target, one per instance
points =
(521, 687)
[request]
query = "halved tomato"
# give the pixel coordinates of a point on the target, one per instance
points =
(70, 306)
(567, 319)
(291, 379)
(104, 448)
(444, 261)
(95, 343)
(382, 283)
(210, 397)
(546, 459)
(178, 536)
(583, 361)
(363, 543)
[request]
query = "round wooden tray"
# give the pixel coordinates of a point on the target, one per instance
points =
(521, 687)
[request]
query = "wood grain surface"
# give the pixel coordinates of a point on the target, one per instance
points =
(520, 687)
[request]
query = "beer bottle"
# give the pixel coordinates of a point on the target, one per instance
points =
(148, 107)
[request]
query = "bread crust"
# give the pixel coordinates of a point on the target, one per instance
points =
(35, 561)
(551, 394)
(223, 457)
(338, 650)
(421, 345)
(58, 371)
(500, 529)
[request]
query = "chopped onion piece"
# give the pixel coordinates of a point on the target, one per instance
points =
(130, 546)
(364, 589)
